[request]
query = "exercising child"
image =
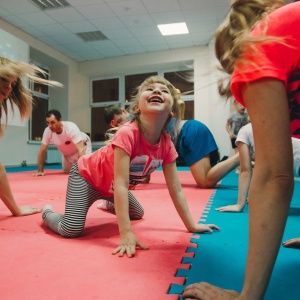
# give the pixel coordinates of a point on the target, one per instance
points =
(137, 148)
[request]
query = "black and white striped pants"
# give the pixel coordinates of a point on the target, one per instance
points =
(80, 196)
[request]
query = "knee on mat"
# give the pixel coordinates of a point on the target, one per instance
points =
(136, 216)
(71, 232)
(205, 184)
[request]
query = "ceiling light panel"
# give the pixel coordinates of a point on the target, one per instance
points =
(173, 29)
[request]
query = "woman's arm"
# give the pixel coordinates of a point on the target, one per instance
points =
(9, 200)
(271, 189)
(244, 180)
(179, 200)
(272, 182)
(128, 240)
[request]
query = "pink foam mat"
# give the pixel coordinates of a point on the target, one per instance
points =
(38, 264)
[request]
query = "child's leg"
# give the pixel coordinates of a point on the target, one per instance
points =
(80, 196)
(66, 165)
(136, 211)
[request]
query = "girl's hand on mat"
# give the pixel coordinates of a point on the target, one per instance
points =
(206, 291)
(38, 174)
(128, 245)
(205, 227)
(28, 210)
(292, 243)
(230, 208)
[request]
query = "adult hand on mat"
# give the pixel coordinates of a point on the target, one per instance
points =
(206, 291)
(292, 243)
(28, 210)
(128, 245)
(205, 227)
(38, 174)
(230, 208)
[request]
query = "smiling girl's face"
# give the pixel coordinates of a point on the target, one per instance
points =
(156, 97)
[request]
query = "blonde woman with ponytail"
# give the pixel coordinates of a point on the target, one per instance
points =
(258, 46)
(14, 91)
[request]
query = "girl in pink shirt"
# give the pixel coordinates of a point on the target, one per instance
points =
(137, 149)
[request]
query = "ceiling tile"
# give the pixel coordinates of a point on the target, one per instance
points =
(129, 25)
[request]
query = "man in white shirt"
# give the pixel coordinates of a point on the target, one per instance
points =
(68, 139)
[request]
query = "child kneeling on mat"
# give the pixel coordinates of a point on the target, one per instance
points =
(137, 149)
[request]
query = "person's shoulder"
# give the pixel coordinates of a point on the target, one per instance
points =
(128, 128)
(246, 130)
(70, 123)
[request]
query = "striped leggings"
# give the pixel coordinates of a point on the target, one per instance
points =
(80, 196)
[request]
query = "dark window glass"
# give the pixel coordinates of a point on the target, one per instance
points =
(105, 90)
(182, 80)
(189, 110)
(42, 88)
(99, 127)
(133, 81)
(38, 120)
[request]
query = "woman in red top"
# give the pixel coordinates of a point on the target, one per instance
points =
(258, 46)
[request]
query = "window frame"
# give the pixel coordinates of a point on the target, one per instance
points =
(38, 95)
(122, 93)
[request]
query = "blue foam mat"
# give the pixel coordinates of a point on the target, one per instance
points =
(219, 258)
(31, 168)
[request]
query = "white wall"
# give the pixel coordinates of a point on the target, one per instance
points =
(73, 100)
(209, 108)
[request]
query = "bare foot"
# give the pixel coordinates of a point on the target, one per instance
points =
(147, 179)
(292, 243)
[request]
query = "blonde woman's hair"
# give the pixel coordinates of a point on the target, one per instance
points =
(20, 95)
(234, 33)
(134, 107)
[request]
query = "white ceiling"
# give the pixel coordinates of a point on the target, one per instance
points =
(129, 25)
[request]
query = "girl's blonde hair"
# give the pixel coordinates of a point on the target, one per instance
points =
(134, 107)
(20, 95)
(234, 33)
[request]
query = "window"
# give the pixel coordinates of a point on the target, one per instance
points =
(118, 91)
(132, 81)
(42, 88)
(38, 121)
(184, 81)
(106, 90)
(99, 127)
(40, 106)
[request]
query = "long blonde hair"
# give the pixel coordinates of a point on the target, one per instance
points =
(234, 33)
(21, 96)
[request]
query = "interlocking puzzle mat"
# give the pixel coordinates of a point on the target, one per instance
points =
(219, 258)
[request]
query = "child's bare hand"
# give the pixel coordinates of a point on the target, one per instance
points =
(205, 227)
(128, 245)
(230, 208)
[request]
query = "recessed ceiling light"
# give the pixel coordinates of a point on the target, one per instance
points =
(172, 29)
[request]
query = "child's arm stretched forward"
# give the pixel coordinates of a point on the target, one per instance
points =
(128, 241)
(180, 202)
(244, 180)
